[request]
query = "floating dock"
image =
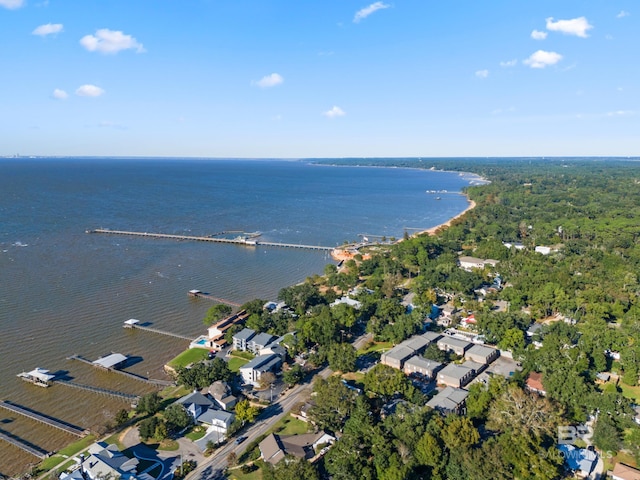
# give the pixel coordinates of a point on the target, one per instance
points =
(208, 296)
(246, 241)
(133, 323)
(39, 417)
(22, 445)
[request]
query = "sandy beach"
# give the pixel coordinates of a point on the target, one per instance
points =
(434, 230)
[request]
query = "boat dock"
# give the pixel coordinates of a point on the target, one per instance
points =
(208, 296)
(133, 323)
(134, 376)
(39, 417)
(22, 445)
(246, 241)
(101, 391)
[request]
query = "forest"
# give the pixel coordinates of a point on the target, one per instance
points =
(583, 293)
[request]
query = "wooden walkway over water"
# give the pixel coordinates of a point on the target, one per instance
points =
(134, 376)
(235, 241)
(21, 444)
(155, 330)
(39, 417)
(208, 296)
(102, 391)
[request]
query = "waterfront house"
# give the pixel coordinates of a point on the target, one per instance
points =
(258, 342)
(241, 339)
(216, 332)
(105, 461)
(449, 400)
(252, 371)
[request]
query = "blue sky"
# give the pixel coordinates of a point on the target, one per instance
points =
(311, 78)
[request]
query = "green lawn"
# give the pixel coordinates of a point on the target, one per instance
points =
(290, 426)
(246, 355)
(375, 347)
(235, 363)
(189, 356)
(630, 392)
(68, 451)
(196, 433)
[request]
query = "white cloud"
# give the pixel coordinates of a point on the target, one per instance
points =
(541, 59)
(89, 91)
(576, 26)
(11, 4)
(48, 29)
(334, 112)
(509, 63)
(482, 73)
(110, 41)
(622, 14)
(366, 11)
(621, 113)
(538, 35)
(60, 94)
(269, 81)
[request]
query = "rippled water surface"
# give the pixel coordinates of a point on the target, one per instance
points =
(64, 292)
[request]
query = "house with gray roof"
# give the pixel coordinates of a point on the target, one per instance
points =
(431, 337)
(481, 354)
(275, 447)
(455, 345)
(260, 341)
(396, 356)
(106, 461)
(252, 371)
(241, 339)
(221, 394)
(455, 375)
(420, 365)
(417, 343)
(449, 400)
(195, 403)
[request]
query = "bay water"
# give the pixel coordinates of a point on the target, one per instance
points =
(64, 291)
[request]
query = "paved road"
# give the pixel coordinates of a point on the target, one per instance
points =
(213, 467)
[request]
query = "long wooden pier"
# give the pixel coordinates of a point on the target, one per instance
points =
(134, 376)
(155, 330)
(39, 417)
(208, 296)
(21, 444)
(101, 391)
(235, 241)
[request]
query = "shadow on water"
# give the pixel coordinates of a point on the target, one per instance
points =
(62, 375)
(133, 360)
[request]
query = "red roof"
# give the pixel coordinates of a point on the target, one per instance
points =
(534, 382)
